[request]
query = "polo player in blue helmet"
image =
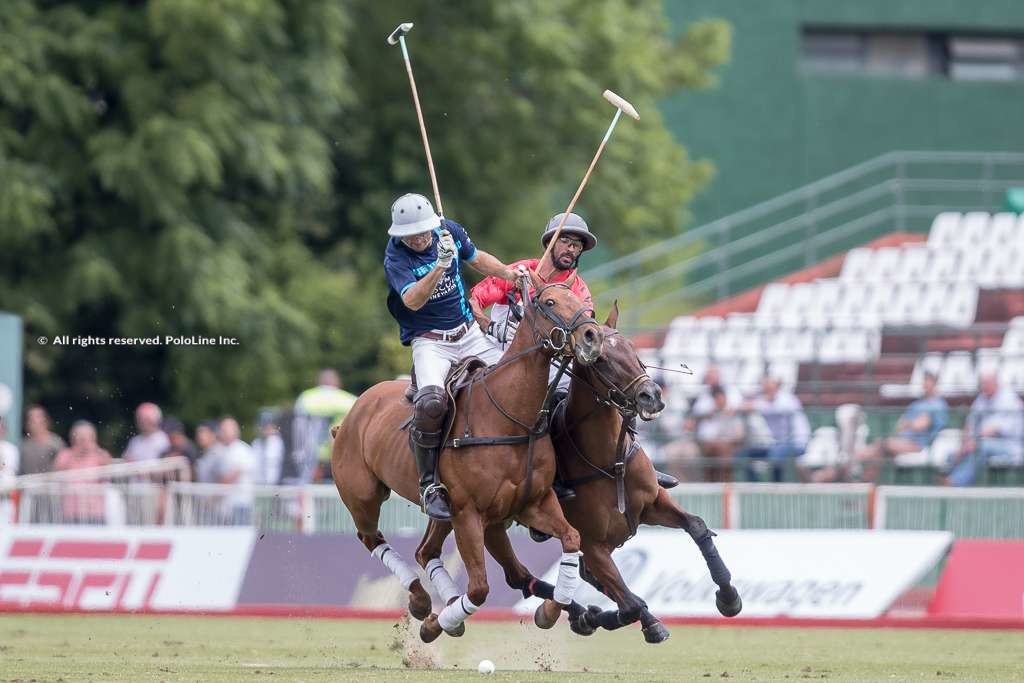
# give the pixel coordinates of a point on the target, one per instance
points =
(426, 296)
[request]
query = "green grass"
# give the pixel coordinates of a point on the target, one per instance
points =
(142, 648)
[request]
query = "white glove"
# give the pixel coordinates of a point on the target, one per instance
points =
(446, 249)
(503, 330)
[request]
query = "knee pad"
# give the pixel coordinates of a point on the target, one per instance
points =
(429, 408)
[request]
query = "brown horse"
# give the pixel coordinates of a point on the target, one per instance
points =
(590, 437)
(506, 474)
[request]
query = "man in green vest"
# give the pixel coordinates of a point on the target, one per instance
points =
(316, 411)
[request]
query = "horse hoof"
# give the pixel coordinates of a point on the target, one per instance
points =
(728, 605)
(656, 633)
(580, 625)
(419, 603)
(459, 631)
(547, 614)
(430, 630)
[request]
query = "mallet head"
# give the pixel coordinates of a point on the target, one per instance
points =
(622, 104)
(399, 32)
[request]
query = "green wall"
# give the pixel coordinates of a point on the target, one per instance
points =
(769, 128)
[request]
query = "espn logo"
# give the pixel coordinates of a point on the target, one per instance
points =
(77, 573)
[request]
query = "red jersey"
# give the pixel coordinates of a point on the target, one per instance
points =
(493, 290)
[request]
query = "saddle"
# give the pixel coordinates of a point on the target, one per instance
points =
(459, 375)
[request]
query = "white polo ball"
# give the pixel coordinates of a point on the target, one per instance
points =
(485, 666)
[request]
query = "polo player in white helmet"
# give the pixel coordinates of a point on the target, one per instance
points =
(427, 297)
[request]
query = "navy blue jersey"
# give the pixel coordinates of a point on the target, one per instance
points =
(447, 307)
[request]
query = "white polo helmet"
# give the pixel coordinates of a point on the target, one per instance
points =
(412, 214)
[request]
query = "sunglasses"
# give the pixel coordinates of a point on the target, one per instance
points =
(571, 242)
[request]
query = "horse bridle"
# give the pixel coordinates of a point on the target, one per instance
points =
(561, 334)
(625, 399)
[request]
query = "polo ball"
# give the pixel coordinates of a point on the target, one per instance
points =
(486, 666)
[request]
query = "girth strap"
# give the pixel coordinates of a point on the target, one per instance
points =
(467, 441)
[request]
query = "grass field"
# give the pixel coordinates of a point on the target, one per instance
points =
(173, 648)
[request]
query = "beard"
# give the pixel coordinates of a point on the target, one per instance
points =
(564, 261)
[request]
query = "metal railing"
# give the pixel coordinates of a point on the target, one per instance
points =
(897, 191)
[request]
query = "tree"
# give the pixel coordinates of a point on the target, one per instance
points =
(224, 168)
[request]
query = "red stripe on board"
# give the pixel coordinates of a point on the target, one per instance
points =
(10, 578)
(89, 550)
(508, 615)
(147, 601)
(93, 581)
(26, 548)
(155, 550)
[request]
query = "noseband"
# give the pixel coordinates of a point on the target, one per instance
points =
(560, 338)
(622, 399)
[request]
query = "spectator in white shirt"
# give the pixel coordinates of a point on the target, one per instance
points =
(151, 441)
(236, 466)
(994, 430)
(784, 429)
(704, 403)
(269, 451)
(9, 458)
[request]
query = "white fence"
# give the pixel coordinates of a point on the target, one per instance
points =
(977, 513)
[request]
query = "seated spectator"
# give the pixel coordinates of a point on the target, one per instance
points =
(9, 457)
(704, 403)
(915, 430)
(236, 466)
(719, 435)
(316, 411)
(86, 505)
(782, 415)
(40, 445)
(179, 442)
(150, 442)
(268, 450)
(206, 444)
(994, 430)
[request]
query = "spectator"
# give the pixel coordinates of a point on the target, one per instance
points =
(235, 466)
(269, 451)
(41, 445)
(316, 411)
(9, 457)
(993, 430)
(719, 435)
(151, 442)
(915, 430)
(787, 433)
(84, 505)
(704, 403)
(180, 444)
(206, 443)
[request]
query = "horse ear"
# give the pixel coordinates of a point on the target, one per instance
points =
(535, 279)
(613, 315)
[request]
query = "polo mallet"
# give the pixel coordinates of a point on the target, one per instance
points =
(621, 105)
(398, 36)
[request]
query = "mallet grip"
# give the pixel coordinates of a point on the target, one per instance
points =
(622, 104)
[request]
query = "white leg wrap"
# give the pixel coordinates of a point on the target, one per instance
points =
(442, 580)
(568, 578)
(456, 613)
(390, 558)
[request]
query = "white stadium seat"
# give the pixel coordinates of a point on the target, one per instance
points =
(786, 371)
(1001, 230)
(913, 263)
(962, 305)
(957, 376)
(942, 265)
(739, 321)
(940, 454)
(857, 264)
(847, 346)
(749, 376)
(790, 344)
(1011, 373)
(886, 265)
(822, 449)
(944, 229)
(987, 361)
(973, 230)
(1012, 267)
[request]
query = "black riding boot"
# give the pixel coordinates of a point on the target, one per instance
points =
(425, 435)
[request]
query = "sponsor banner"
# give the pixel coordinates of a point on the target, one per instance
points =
(124, 568)
(982, 579)
(817, 574)
(337, 570)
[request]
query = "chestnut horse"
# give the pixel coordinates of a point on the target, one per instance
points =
(590, 437)
(505, 472)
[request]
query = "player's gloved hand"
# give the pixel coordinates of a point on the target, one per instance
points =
(446, 249)
(503, 330)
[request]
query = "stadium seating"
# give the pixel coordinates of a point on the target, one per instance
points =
(934, 286)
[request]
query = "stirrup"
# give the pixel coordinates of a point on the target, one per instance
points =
(434, 502)
(538, 536)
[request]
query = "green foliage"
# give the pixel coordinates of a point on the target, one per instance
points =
(225, 168)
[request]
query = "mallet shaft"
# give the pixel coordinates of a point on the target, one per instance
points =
(423, 126)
